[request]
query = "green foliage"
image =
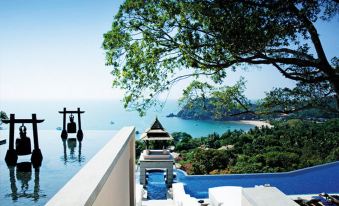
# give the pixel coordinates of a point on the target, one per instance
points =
(219, 103)
(289, 145)
(205, 161)
(187, 143)
(230, 98)
(139, 147)
(246, 164)
(153, 44)
(231, 104)
(181, 136)
(334, 155)
(279, 161)
(195, 91)
(302, 97)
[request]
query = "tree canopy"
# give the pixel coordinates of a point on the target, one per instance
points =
(289, 145)
(153, 44)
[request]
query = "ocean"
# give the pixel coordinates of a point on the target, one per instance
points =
(63, 159)
(110, 115)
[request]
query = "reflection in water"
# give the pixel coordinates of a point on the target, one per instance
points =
(24, 176)
(72, 157)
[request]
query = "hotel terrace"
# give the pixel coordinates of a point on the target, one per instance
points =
(113, 178)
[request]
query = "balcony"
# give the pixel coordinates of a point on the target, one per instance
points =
(107, 179)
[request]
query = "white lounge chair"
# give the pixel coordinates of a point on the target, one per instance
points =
(266, 196)
(226, 195)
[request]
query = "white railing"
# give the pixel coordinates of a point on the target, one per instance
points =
(107, 179)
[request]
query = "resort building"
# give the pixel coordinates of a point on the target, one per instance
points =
(109, 178)
(250, 89)
(158, 157)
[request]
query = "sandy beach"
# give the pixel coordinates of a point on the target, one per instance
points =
(257, 123)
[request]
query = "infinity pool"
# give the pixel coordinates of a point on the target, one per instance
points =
(313, 180)
(61, 161)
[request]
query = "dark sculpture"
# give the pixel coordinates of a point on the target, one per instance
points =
(71, 126)
(23, 145)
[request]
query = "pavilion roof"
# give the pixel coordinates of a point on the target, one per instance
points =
(156, 132)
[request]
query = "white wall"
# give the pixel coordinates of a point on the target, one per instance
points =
(107, 179)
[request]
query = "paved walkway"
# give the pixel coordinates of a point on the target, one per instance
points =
(158, 203)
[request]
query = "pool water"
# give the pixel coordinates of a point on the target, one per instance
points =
(61, 161)
(313, 180)
(156, 186)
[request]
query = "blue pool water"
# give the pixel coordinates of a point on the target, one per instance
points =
(156, 187)
(61, 161)
(313, 180)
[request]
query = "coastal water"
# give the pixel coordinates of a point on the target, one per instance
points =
(63, 159)
(110, 115)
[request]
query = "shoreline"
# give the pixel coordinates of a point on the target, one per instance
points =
(256, 123)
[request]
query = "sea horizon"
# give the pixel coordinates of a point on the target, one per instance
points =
(110, 115)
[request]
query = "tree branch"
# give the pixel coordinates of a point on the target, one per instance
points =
(315, 39)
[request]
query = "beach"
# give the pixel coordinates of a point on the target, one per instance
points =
(257, 123)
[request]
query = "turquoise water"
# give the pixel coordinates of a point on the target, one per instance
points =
(61, 161)
(110, 115)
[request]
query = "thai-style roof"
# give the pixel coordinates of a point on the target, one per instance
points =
(156, 132)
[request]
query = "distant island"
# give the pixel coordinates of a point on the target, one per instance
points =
(207, 115)
(197, 112)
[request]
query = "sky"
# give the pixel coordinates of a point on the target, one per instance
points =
(51, 49)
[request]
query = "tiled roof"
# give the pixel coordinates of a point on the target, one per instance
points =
(156, 132)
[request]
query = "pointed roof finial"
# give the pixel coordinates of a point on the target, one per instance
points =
(156, 132)
(156, 124)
